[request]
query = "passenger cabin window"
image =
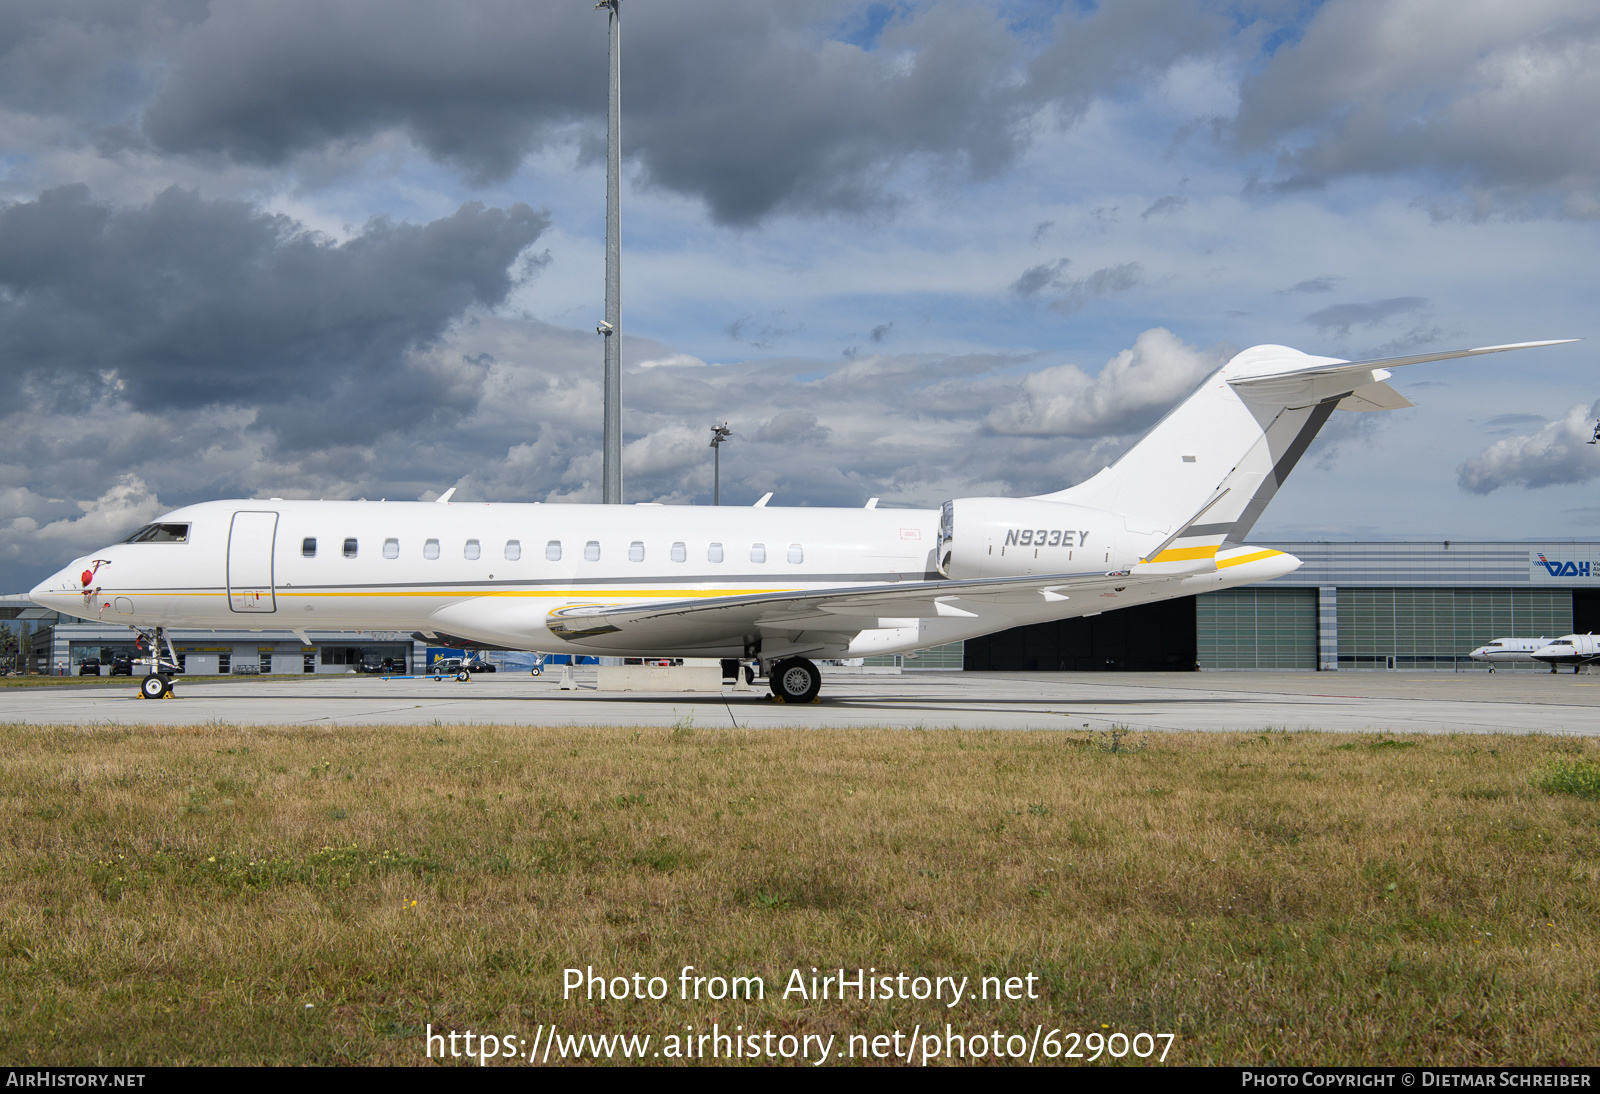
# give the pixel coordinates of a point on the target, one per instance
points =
(591, 551)
(714, 553)
(636, 551)
(513, 549)
(758, 552)
(430, 548)
(349, 548)
(308, 547)
(680, 553)
(797, 554)
(160, 533)
(472, 550)
(391, 548)
(552, 551)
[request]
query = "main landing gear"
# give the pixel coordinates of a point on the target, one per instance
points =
(795, 680)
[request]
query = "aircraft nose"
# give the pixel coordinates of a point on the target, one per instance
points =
(60, 591)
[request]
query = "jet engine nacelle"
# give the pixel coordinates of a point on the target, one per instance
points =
(1015, 537)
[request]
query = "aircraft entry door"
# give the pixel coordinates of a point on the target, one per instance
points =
(250, 543)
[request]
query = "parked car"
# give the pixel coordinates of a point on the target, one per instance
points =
(122, 666)
(477, 664)
(89, 666)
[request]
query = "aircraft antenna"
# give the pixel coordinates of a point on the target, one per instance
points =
(611, 329)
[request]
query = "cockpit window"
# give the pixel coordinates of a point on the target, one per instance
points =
(160, 533)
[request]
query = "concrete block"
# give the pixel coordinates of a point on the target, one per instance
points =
(660, 678)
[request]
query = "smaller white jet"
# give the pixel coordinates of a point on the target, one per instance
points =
(1572, 649)
(1503, 650)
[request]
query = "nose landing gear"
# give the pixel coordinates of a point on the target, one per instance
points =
(157, 683)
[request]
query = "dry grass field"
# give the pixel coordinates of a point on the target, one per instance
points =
(218, 894)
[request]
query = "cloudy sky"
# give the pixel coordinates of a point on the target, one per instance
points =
(352, 248)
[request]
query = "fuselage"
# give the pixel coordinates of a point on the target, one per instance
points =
(495, 572)
(1571, 649)
(1503, 650)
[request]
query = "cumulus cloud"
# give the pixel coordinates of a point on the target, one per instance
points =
(124, 506)
(1135, 387)
(1496, 96)
(743, 106)
(189, 303)
(810, 107)
(1558, 454)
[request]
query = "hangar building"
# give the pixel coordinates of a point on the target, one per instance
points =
(1380, 606)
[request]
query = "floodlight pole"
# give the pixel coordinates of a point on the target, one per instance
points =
(611, 329)
(719, 433)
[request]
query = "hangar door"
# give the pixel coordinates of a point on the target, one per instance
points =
(250, 541)
(1157, 637)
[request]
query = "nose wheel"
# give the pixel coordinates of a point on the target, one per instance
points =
(155, 687)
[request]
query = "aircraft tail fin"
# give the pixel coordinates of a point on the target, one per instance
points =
(1202, 476)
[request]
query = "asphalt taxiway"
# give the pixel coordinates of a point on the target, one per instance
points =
(1477, 702)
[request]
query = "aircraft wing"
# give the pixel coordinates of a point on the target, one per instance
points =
(712, 619)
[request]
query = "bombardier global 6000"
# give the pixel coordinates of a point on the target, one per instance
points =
(784, 587)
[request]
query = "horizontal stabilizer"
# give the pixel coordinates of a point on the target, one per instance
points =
(1281, 375)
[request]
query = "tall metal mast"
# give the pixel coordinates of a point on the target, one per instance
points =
(611, 329)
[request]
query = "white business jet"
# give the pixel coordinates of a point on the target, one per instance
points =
(782, 586)
(1508, 650)
(1573, 649)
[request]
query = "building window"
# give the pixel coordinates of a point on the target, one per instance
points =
(350, 548)
(513, 549)
(636, 551)
(797, 554)
(758, 552)
(472, 550)
(308, 547)
(391, 548)
(714, 553)
(552, 551)
(591, 551)
(680, 553)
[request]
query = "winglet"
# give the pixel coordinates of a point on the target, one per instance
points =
(445, 497)
(762, 504)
